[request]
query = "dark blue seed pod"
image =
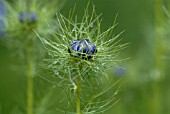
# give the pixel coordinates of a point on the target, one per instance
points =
(82, 48)
(27, 17)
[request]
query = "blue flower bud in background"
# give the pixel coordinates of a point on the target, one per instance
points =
(82, 48)
(120, 71)
(27, 17)
(2, 14)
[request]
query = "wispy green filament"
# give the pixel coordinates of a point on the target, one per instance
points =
(76, 75)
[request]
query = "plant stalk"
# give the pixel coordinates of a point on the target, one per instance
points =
(156, 104)
(30, 81)
(78, 108)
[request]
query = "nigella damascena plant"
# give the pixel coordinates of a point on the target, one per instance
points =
(80, 54)
(27, 17)
(23, 17)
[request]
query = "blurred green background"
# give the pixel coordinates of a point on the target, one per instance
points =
(145, 83)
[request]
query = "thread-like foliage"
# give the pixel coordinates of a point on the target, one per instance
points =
(72, 70)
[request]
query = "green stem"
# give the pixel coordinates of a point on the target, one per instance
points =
(159, 35)
(30, 82)
(78, 111)
(159, 52)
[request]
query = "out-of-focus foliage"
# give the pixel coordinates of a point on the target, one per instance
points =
(145, 82)
(19, 20)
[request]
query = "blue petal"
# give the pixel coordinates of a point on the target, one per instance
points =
(33, 17)
(21, 17)
(76, 47)
(92, 49)
(85, 50)
(73, 42)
